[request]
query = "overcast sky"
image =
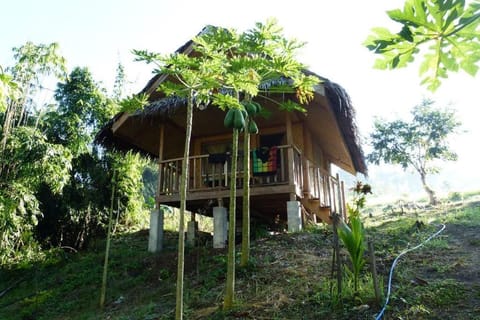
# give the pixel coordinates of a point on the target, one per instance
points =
(100, 33)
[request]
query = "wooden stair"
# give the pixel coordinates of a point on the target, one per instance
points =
(313, 206)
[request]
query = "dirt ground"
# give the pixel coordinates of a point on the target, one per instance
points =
(444, 278)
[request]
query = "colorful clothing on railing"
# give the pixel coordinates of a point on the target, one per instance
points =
(264, 161)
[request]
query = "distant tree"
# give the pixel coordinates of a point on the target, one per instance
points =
(416, 144)
(120, 82)
(447, 30)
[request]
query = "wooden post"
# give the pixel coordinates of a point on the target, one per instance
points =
(340, 209)
(290, 155)
(291, 179)
(160, 166)
(333, 196)
(336, 262)
(373, 266)
(342, 191)
(308, 176)
(307, 187)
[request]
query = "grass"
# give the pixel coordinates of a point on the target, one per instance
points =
(288, 278)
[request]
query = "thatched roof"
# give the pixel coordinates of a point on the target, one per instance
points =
(345, 114)
(161, 108)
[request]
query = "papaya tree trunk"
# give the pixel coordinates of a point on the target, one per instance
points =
(230, 287)
(183, 204)
(246, 198)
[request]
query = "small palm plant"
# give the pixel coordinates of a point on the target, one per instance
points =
(353, 233)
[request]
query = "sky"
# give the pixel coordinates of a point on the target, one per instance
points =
(99, 34)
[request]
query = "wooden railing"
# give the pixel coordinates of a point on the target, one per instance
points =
(309, 179)
(329, 190)
(206, 174)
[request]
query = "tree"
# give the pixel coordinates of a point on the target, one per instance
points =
(33, 64)
(416, 144)
(271, 57)
(447, 30)
(198, 77)
(27, 159)
(82, 107)
(8, 90)
(251, 59)
(261, 54)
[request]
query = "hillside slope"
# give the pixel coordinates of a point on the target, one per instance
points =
(289, 278)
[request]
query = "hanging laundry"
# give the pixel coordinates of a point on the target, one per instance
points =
(264, 161)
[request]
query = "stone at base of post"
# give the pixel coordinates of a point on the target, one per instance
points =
(192, 227)
(294, 216)
(219, 227)
(155, 237)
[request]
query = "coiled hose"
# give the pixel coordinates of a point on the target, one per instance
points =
(380, 314)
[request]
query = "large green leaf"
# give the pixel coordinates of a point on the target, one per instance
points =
(452, 29)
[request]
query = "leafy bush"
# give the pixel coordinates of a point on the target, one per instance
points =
(455, 196)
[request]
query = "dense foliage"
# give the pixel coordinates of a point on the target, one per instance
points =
(54, 182)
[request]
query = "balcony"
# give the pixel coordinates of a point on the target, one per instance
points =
(281, 170)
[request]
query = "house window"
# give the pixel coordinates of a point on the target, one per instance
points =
(217, 147)
(271, 140)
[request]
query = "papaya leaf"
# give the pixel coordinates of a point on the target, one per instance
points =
(452, 27)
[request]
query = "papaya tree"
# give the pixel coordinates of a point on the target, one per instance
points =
(252, 59)
(447, 31)
(197, 78)
(227, 68)
(272, 57)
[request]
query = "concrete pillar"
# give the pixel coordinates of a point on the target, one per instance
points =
(192, 227)
(294, 216)
(219, 227)
(155, 237)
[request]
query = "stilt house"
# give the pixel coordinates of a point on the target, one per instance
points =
(291, 156)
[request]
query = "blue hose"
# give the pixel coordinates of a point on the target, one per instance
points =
(380, 315)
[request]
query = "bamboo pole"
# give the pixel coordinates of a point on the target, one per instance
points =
(103, 290)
